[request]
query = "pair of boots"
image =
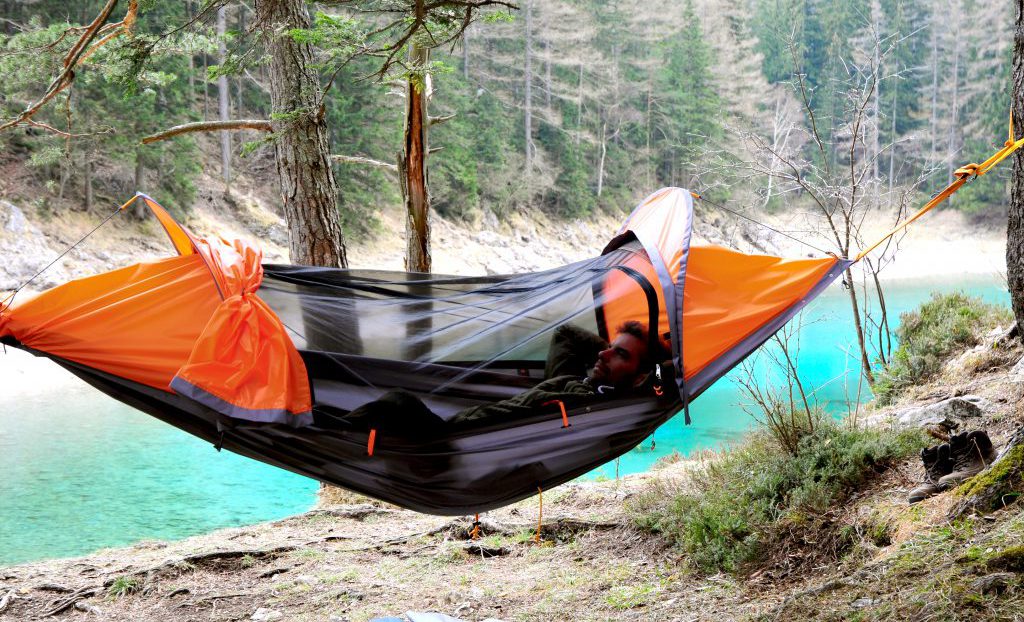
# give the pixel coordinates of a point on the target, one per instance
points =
(950, 464)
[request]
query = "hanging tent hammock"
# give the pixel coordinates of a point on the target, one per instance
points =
(268, 361)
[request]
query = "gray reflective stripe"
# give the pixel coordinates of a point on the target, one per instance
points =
(261, 415)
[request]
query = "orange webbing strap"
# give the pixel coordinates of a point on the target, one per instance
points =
(540, 515)
(963, 175)
(561, 405)
(371, 441)
(474, 534)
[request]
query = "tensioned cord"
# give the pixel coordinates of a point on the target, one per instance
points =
(761, 224)
(7, 302)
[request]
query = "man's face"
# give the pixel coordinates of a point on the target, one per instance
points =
(619, 364)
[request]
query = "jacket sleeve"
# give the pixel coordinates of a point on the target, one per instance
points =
(530, 402)
(573, 351)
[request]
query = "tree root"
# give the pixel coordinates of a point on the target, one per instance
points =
(63, 604)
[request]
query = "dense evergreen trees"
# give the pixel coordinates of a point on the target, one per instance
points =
(583, 106)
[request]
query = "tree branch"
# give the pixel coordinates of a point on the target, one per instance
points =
(209, 126)
(368, 161)
(80, 51)
(440, 120)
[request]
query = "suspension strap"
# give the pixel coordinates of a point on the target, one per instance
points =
(7, 302)
(963, 175)
(540, 515)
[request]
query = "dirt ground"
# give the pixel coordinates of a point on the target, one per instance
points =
(354, 559)
(357, 561)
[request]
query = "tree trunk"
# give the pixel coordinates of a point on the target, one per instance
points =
(892, 137)
(465, 55)
(1015, 217)
(647, 130)
(935, 78)
(955, 112)
(417, 197)
(302, 149)
(223, 95)
(239, 79)
(579, 108)
(876, 18)
(140, 184)
(191, 63)
(865, 362)
(547, 74)
(600, 165)
(528, 85)
(206, 88)
(87, 171)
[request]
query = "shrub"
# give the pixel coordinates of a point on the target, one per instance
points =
(928, 336)
(726, 519)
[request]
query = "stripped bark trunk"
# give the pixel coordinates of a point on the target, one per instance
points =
(302, 149)
(1015, 217)
(417, 197)
(223, 95)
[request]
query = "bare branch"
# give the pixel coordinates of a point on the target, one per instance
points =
(368, 161)
(440, 120)
(62, 133)
(210, 126)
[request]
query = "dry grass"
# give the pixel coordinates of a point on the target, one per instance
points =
(329, 496)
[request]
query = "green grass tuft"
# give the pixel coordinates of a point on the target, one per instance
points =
(929, 335)
(727, 521)
(123, 586)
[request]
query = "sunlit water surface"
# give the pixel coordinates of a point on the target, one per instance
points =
(80, 471)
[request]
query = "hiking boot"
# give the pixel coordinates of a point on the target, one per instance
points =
(937, 463)
(971, 453)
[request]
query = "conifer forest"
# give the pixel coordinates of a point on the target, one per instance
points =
(568, 106)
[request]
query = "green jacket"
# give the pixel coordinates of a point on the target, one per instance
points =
(573, 351)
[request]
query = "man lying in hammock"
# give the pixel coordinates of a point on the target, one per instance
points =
(581, 368)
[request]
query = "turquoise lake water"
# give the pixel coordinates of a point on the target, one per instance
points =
(80, 472)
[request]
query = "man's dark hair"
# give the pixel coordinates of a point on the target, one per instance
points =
(637, 329)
